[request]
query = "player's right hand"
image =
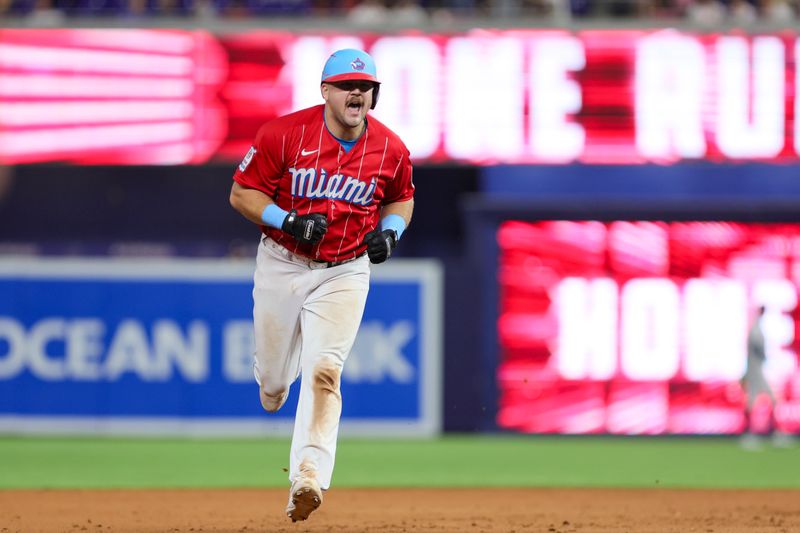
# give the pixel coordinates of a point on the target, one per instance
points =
(308, 229)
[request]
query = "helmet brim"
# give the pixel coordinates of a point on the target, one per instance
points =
(351, 76)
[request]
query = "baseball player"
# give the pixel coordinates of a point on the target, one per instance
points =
(332, 191)
(755, 382)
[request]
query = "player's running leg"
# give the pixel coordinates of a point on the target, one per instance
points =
(276, 318)
(330, 321)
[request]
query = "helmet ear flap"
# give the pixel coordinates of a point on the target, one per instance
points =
(375, 91)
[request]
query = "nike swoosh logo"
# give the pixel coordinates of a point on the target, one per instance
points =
(309, 152)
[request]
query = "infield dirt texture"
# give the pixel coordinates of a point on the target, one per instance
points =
(459, 484)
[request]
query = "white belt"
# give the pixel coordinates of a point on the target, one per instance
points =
(310, 263)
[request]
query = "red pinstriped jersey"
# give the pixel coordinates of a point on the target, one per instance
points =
(298, 163)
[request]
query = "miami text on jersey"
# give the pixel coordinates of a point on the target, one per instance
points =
(306, 183)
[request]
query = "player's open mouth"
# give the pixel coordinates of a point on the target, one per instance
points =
(355, 106)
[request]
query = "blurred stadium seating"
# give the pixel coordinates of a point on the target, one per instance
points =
(379, 13)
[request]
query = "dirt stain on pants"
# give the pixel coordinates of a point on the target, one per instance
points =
(327, 399)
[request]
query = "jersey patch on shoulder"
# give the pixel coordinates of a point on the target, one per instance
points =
(247, 159)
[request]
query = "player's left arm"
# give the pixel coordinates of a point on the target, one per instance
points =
(402, 209)
(395, 213)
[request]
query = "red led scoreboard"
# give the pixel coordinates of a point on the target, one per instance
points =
(640, 327)
(482, 97)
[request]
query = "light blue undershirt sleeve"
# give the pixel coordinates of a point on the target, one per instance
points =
(395, 222)
(273, 216)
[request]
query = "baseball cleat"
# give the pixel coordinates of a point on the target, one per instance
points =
(304, 498)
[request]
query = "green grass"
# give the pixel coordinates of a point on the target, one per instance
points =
(455, 461)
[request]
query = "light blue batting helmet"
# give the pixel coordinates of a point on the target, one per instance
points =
(349, 64)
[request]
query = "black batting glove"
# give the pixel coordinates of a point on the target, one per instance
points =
(380, 244)
(307, 229)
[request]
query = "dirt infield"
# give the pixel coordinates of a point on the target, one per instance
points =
(415, 510)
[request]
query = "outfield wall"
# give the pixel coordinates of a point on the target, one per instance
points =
(165, 347)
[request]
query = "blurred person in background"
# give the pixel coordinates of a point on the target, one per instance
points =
(778, 12)
(17, 8)
(331, 189)
(446, 12)
(742, 13)
(369, 13)
(622, 8)
(46, 13)
(175, 8)
(234, 9)
(322, 8)
(758, 415)
(137, 8)
(408, 13)
(505, 9)
(202, 9)
(706, 13)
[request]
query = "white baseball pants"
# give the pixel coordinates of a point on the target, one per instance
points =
(306, 317)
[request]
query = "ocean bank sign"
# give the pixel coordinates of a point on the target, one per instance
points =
(166, 346)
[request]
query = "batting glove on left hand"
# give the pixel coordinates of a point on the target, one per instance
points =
(380, 245)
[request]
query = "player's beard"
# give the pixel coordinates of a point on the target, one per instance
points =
(353, 117)
(344, 121)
